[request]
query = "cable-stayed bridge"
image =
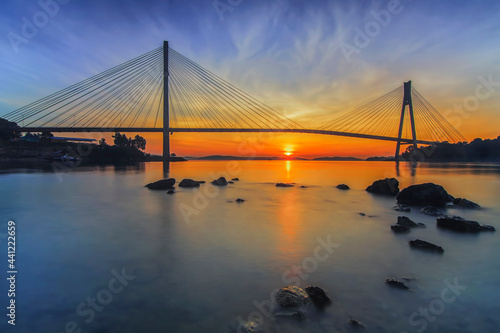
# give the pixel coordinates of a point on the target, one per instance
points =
(163, 91)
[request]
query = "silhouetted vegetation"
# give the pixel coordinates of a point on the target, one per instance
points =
(9, 130)
(124, 150)
(478, 150)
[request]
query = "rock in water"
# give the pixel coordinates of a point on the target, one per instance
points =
(235, 179)
(400, 228)
(220, 182)
(291, 296)
(403, 220)
(388, 186)
(396, 283)
(420, 244)
(402, 208)
(343, 187)
(318, 296)
(464, 203)
(189, 183)
(427, 194)
(240, 200)
(284, 185)
(356, 324)
(164, 184)
(432, 211)
(457, 223)
(170, 192)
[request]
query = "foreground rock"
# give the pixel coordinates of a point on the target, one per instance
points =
(171, 192)
(457, 223)
(284, 185)
(291, 296)
(189, 183)
(396, 284)
(403, 220)
(388, 186)
(402, 208)
(427, 194)
(464, 203)
(240, 200)
(432, 211)
(343, 187)
(356, 324)
(164, 184)
(318, 296)
(420, 244)
(220, 182)
(400, 228)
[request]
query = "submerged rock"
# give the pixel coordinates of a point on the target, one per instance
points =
(299, 315)
(171, 192)
(403, 220)
(230, 182)
(427, 194)
(402, 208)
(420, 244)
(356, 324)
(240, 200)
(457, 223)
(464, 203)
(432, 211)
(343, 187)
(284, 185)
(388, 186)
(164, 184)
(235, 179)
(396, 283)
(220, 182)
(291, 296)
(318, 296)
(189, 183)
(397, 228)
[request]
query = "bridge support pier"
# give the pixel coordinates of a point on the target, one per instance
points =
(166, 119)
(406, 101)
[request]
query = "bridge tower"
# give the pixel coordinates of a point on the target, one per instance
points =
(166, 100)
(406, 102)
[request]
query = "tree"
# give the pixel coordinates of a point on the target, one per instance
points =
(46, 136)
(102, 142)
(121, 140)
(139, 142)
(9, 130)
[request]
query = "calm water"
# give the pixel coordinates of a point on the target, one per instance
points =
(200, 262)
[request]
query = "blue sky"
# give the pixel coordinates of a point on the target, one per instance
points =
(288, 54)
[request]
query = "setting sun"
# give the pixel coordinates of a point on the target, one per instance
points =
(288, 153)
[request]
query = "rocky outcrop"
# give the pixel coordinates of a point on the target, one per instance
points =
(318, 296)
(388, 186)
(464, 203)
(423, 245)
(189, 183)
(396, 284)
(220, 182)
(457, 223)
(291, 296)
(432, 211)
(284, 185)
(427, 194)
(164, 184)
(343, 187)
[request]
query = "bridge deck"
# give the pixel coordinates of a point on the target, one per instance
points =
(213, 130)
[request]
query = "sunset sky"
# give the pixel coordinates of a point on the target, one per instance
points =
(310, 60)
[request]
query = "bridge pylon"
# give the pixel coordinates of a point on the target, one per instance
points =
(166, 118)
(406, 102)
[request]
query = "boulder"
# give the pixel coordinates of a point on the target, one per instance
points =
(291, 296)
(464, 203)
(240, 200)
(405, 221)
(356, 324)
(432, 211)
(235, 179)
(220, 182)
(318, 296)
(427, 194)
(189, 183)
(164, 184)
(299, 315)
(170, 192)
(396, 283)
(284, 185)
(457, 223)
(230, 182)
(420, 244)
(397, 228)
(343, 187)
(402, 208)
(388, 186)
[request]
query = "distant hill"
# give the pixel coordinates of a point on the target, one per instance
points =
(337, 158)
